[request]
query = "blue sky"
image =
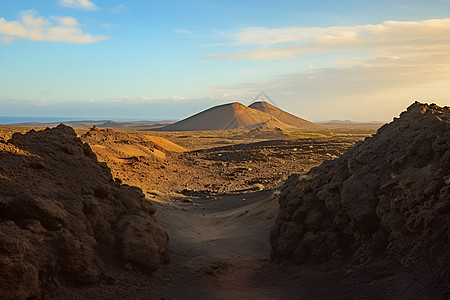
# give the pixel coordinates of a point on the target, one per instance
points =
(359, 60)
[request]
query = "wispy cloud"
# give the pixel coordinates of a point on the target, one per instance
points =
(108, 26)
(133, 107)
(391, 65)
(120, 8)
(78, 4)
(178, 98)
(6, 39)
(184, 31)
(375, 89)
(387, 38)
(32, 27)
(67, 21)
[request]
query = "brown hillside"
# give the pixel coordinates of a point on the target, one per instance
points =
(387, 198)
(226, 117)
(64, 221)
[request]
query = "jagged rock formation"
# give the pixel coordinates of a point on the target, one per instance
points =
(237, 116)
(63, 219)
(386, 198)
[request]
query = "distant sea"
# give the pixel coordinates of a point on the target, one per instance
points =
(19, 119)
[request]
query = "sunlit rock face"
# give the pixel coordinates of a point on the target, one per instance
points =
(64, 220)
(386, 198)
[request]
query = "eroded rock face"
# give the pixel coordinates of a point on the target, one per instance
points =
(62, 214)
(388, 197)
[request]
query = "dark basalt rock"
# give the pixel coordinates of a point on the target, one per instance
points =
(386, 198)
(61, 215)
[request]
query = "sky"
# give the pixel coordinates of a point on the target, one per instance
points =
(167, 59)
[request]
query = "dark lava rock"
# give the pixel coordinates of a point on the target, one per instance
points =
(386, 198)
(63, 218)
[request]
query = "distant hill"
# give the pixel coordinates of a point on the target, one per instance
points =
(135, 125)
(352, 124)
(238, 116)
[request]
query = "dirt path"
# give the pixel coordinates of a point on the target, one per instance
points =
(220, 250)
(218, 245)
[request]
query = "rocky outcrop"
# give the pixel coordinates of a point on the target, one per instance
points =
(386, 198)
(63, 219)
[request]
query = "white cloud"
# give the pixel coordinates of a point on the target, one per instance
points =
(78, 4)
(387, 38)
(178, 98)
(108, 26)
(39, 29)
(29, 19)
(7, 39)
(67, 21)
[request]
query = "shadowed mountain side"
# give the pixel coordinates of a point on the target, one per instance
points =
(65, 221)
(387, 199)
(285, 117)
(232, 116)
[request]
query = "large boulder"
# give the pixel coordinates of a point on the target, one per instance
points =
(63, 219)
(386, 198)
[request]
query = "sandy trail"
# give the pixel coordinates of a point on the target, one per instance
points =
(218, 244)
(220, 250)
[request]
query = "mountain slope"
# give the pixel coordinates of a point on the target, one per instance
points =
(226, 117)
(284, 116)
(238, 116)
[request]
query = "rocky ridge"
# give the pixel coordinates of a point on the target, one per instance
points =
(64, 220)
(386, 198)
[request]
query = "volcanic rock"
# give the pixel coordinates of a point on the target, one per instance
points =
(386, 198)
(63, 219)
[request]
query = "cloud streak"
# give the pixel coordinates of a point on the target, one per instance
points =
(368, 72)
(373, 90)
(120, 8)
(387, 38)
(78, 4)
(67, 21)
(39, 29)
(141, 107)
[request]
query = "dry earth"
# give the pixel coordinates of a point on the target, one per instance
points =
(159, 166)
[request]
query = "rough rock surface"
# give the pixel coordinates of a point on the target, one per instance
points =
(386, 198)
(63, 219)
